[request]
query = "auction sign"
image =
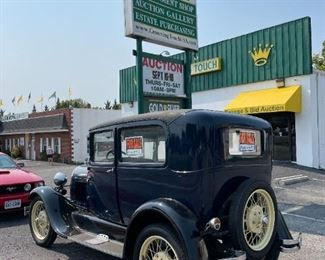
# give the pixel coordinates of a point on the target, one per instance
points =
(171, 23)
(162, 76)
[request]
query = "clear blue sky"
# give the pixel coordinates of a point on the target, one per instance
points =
(51, 45)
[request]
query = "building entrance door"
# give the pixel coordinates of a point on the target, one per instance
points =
(284, 135)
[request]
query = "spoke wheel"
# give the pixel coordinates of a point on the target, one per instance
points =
(253, 218)
(258, 219)
(40, 225)
(40, 222)
(158, 242)
(157, 248)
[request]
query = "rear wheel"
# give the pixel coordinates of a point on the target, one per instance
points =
(253, 218)
(39, 223)
(158, 242)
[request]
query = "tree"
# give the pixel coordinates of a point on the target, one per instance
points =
(57, 106)
(116, 106)
(2, 112)
(76, 103)
(319, 59)
(108, 105)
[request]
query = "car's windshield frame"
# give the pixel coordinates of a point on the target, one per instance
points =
(8, 165)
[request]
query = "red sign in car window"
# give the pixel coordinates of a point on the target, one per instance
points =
(247, 138)
(134, 146)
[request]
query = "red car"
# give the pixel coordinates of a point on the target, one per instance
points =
(15, 185)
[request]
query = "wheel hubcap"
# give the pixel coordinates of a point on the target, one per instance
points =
(39, 220)
(258, 219)
(157, 248)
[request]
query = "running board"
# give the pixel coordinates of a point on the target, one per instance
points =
(99, 242)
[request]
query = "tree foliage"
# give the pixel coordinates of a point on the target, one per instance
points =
(319, 59)
(108, 105)
(76, 103)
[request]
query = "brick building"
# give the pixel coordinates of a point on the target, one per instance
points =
(57, 128)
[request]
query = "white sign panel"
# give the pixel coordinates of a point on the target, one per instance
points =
(162, 77)
(168, 22)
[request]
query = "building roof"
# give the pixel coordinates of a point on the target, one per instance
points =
(53, 123)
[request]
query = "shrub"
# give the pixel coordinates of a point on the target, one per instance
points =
(56, 157)
(16, 152)
(43, 156)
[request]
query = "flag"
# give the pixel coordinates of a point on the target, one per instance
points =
(13, 101)
(70, 93)
(53, 95)
(40, 99)
(1, 103)
(20, 99)
(29, 96)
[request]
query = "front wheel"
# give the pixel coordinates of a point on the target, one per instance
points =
(157, 242)
(39, 224)
(253, 218)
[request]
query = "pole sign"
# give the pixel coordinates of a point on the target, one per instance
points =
(153, 104)
(162, 76)
(171, 23)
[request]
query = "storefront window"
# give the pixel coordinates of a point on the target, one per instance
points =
(57, 145)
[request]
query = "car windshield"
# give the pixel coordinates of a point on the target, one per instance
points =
(6, 162)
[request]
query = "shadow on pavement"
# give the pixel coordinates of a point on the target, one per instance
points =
(306, 219)
(12, 219)
(73, 251)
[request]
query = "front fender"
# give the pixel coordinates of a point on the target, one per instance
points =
(58, 209)
(176, 214)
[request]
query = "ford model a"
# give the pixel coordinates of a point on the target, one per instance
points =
(190, 184)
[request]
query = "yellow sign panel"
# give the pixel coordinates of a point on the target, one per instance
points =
(267, 101)
(206, 66)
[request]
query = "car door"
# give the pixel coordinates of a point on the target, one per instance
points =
(101, 186)
(141, 171)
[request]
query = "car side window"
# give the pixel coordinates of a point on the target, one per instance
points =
(145, 144)
(244, 142)
(103, 147)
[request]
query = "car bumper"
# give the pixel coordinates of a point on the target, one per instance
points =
(24, 197)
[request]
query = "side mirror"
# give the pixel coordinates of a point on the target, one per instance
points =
(20, 164)
(60, 179)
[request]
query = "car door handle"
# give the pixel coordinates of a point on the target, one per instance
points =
(110, 170)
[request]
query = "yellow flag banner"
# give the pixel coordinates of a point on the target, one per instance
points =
(40, 99)
(20, 100)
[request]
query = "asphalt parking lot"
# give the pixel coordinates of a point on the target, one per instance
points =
(302, 203)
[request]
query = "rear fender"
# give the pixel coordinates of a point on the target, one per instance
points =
(285, 243)
(58, 209)
(169, 211)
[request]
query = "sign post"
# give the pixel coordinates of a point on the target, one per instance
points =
(172, 24)
(139, 75)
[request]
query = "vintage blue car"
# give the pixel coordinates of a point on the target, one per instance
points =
(187, 184)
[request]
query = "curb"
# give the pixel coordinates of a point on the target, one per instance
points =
(289, 180)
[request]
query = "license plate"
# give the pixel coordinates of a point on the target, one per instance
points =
(12, 204)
